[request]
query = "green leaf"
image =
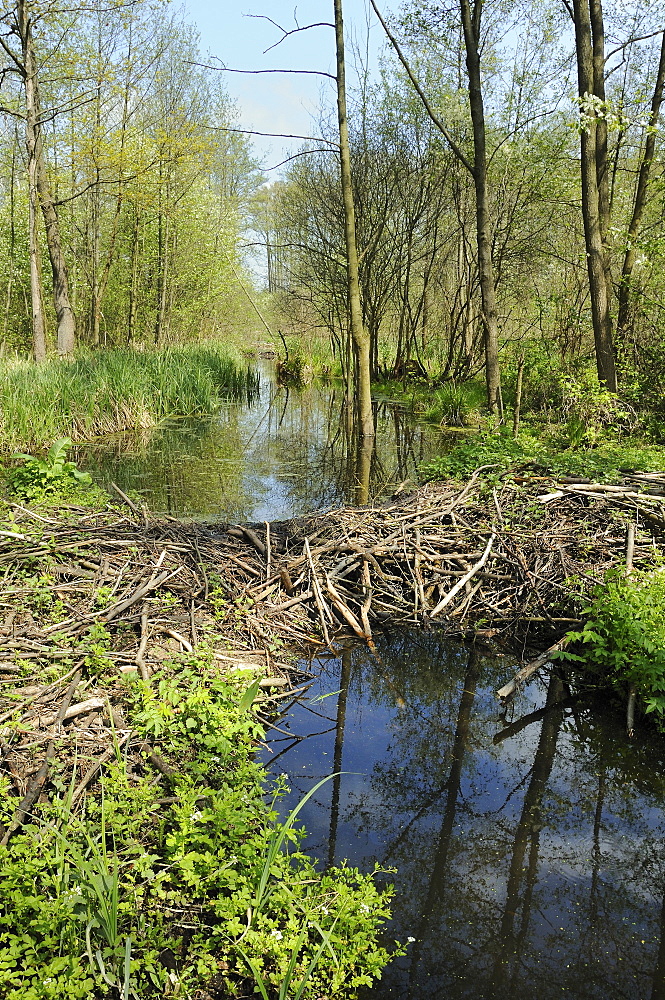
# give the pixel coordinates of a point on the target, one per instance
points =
(248, 697)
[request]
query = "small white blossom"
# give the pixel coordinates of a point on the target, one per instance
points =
(277, 935)
(410, 940)
(196, 816)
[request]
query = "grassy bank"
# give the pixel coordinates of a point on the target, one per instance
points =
(140, 850)
(114, 390)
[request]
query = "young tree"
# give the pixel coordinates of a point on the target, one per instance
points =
(470, 18)
(590, 52)
(358, 332)
(23, 61)
(640, 199)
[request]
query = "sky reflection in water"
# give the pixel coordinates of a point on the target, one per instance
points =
(530, 867)
(288, 453)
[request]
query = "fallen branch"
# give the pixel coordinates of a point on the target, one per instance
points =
(528, 670)
(465, 579)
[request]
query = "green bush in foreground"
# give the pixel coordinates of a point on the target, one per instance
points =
(136, 898)
(115, 390)
(623, 640)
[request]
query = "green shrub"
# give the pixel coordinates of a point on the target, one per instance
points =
(623, 641)
(208, 875)
(39, 476)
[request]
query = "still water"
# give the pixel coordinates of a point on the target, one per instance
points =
(529, 850)
(530, 855)
(288, 453)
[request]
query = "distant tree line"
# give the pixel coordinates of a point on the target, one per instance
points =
(122, 192)
(510, 202)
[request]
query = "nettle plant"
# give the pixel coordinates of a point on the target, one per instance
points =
(39, 476)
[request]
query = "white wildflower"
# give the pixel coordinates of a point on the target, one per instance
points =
(277, 935)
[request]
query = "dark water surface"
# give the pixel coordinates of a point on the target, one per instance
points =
(530, 862)
(288, 453)
(530, 859)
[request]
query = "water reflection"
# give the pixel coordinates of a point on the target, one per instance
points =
(289, 452)
(530, 866)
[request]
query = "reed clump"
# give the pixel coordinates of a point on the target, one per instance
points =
(114, 390)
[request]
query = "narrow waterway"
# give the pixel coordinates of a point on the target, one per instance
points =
(529, 850)
(290, 452)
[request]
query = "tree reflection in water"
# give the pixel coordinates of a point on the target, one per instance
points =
(531, 866)
(287, 453)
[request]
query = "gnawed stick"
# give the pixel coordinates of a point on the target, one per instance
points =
(630, 547)
(318, 597)
(143, 645)
(125, 498)
(41, 776)
(91, 705)
(367, 603)
(268, 550)
(528, 670)
(630, 712)
(465, 579)
(144, 589)
(346, 614)
(19, 706)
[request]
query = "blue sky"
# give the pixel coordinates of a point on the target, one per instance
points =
(280, 103)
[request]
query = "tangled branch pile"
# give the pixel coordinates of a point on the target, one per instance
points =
(511, 562)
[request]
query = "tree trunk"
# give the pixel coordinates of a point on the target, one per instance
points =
(593, 203)
(471, 26)
(134, 286)
(359, 334)
(162, 276)
(38, 334)
(34, 142)
(640, 198)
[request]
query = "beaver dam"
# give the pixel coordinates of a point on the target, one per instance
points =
(509, 565)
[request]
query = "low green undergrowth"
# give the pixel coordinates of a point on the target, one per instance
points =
(168, 889)
(623, 640)
(114, 390)
(545, 450)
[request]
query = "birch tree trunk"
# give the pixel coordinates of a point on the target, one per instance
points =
(361, 340)
(38, 334)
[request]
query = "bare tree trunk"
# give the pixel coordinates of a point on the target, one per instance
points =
(640, 197)
(471, 26)
(593, 197)
(34, 142)
(359, 334)
(162, 277)
(38, 334)
(12, 242)
(134, 286)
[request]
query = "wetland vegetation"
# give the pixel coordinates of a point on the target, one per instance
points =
(465, 426)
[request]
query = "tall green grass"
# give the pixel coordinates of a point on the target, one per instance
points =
(114, 390)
